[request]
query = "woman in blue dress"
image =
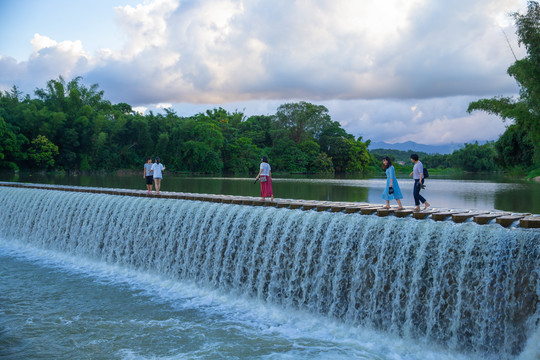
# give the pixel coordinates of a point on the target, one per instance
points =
(392, 190)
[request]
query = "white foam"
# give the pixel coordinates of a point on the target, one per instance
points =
(327, 338)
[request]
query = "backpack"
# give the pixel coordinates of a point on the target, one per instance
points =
(426, 173)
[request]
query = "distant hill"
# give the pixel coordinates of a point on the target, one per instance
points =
(412, 146)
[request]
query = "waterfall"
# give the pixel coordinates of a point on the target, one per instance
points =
(464, 286)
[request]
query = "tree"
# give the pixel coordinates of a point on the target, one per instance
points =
(287, 156)
(474, 157)
(242, 157)
(93, 134)
(303, 121)
(258, 128)
(199, 157)
(525, 111)
(359, 158)
(514, 147)
(42, 152)
(441, 161)
(312, 151)
(12, 141)
(322, 164)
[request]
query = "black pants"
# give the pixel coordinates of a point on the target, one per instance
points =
(416, 192)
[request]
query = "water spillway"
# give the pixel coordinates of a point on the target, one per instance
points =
(466, 287)
(506, 219)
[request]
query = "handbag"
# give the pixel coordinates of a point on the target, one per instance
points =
(263, 179)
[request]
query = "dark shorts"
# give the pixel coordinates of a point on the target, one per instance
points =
(149, 180)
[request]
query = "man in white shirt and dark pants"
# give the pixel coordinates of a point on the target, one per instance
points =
(418, 174)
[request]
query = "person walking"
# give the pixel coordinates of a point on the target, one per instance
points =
(265, 178)
(157, 169)
(392, 190)
(418, 176)
(147, 174)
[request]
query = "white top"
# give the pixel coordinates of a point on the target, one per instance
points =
(265, 167)
(156, 170)
(418, 170)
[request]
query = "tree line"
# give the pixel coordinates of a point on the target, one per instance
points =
(70, 126)
(471, 157)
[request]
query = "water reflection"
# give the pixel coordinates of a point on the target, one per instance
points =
(481, 194)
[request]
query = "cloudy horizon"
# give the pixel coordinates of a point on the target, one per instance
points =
(387, 71)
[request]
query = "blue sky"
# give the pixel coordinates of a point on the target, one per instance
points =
(395, 70)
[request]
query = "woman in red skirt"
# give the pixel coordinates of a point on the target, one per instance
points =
(265, 177)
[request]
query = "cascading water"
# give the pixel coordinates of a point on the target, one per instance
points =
(468, 287)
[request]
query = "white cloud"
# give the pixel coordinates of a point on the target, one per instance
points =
(427, 121)
(146, 25)
(384, 69)
(41, 42)
(478, 126)
(225, 51)
(164, 105)
(140, 109)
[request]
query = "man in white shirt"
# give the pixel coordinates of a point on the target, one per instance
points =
(418, 174)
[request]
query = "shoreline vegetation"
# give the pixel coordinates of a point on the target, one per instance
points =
(70, 127)
(300, 138)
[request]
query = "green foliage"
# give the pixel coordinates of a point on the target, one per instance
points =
(12, 141)
(317, 162)
(358, 156)
(3, 137)
(533, 174)
(347, 154)
(471, 158)
(42, 152)
(258, 129)
(397, 155)
(288, 156)
(74, 128)
(474, 157)
(525, 111)
(514, 147)
(321, 164)
(199, 157)
(302, 121)
(242, 157)
(437, 161)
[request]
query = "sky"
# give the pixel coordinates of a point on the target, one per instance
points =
(393, 70)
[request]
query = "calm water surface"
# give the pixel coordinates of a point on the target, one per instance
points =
(482, 193)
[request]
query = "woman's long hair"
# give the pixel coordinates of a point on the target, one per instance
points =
(388, 162)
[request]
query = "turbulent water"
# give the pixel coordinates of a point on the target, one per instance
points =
(132, 277)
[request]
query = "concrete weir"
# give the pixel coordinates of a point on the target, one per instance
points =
(505, 219)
